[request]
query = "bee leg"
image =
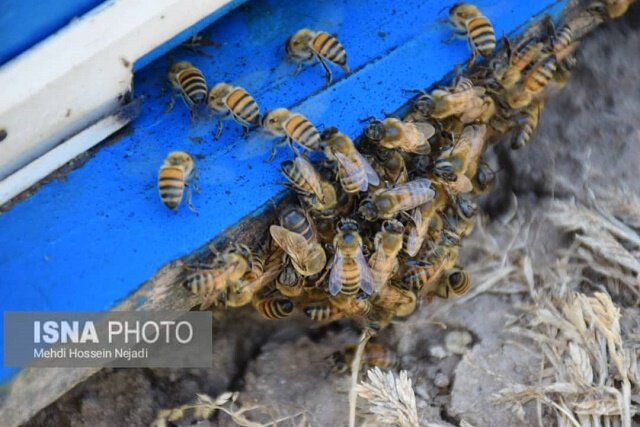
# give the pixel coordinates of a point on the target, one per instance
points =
(194, 182)
(216, 135)
(327, 70)
(298, 69)
(472, 60)
(274, 147)
(245, 132)
(189, 204)
(194, 113)
(170, 105)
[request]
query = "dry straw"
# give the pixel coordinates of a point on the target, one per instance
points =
(390, 398)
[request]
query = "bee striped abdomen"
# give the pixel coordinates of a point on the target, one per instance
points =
(171, 185)
(528, 127)
(538, 78)
(294, 175)
(525, 54)
(415, 278)
(320, 311)
(193, 85)
(327, 46)
(301, 226)
(350, 277)
(352, 183)
(303, 131)
(199, 282)
(563, 39)
(275, 308)
(243, 107)
(459, 281)
(482, 35)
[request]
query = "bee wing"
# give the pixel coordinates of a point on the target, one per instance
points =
(309, 173)
(335, 284)
(377, 262)
(351, 168)
(293, 244)
(304, 259)
(426, 131)
(366, 279)
(372, 176)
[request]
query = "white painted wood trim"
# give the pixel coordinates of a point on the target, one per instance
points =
(58, 156)
(73, 78)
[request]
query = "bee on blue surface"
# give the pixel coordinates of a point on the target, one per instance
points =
(307, 45)
(227, 100)
(177, 172)
(190, 84)
(469, 22)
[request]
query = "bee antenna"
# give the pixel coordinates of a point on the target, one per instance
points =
(448, 7)
(367, 120)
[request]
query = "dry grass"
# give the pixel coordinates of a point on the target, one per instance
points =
(390, 398)
(205, 407)
(606, 238)
(589, 372)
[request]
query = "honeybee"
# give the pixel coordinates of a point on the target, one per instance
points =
(564, 71)
(386, 203)
(390, 165)
(211, 282)
(402, 302)
(562, 41)
(423, 219)
(274, 307)
(307, 45)
(374, 355)
(289, 282)
(295, 219)
(465, 154)
(485, 178)
(327, 206)
(322, 311)
(459, 220)
(177, 172)
(468, 22)
(190, 83)
(384, 261)
(533, 83)
(392, 133)
(518, 59)
(304, 178)
(296, 237)
(424, 272)
(350, 271)
(293, 127)
(354, 171)
(527, 124)
(241, 292)
(227, 100)
(455, 281)
(466, 101)
(609, 8)
(353, 307)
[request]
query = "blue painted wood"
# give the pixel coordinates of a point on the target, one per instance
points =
(86, 242)
(23, 23)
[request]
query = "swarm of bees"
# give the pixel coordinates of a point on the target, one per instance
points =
(373, 229)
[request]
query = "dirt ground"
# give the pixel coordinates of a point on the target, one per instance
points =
(587, 146)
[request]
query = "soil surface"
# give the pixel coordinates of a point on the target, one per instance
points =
(589, 137)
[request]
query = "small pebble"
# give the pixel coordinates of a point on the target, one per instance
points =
(441, 380)
(438, 352)
(456, 342)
